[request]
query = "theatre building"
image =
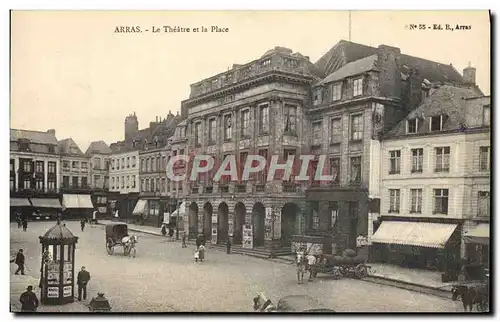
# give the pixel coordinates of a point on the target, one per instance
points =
(435, 186)
(34, 173)
(254, 108)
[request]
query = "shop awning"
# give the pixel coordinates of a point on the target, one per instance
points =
(478, 235)
(140, 207)
(19, 202)
(423, 234)
(70, 201)
(45, 203)
(77, 201)
(84, 201)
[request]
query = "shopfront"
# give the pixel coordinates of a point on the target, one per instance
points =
(423, 245)
(477, 244)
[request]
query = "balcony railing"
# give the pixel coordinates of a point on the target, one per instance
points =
(290, 187)
(241, 188)
(224, 188)
(260, 188)
(281, 62)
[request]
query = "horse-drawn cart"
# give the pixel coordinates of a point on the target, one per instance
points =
(117, 234)
(338, 266)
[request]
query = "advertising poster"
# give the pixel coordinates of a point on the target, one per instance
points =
(53, 292)
(247, 236)
(277, 223)
(67, 291)
(214, 235)
(53, 273)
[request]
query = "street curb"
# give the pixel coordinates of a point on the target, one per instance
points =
(376, 279)
(409, 286)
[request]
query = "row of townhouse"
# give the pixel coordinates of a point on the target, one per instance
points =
(47, 175)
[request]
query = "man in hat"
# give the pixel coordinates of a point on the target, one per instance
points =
(19, 260)
(82, 279)
(29, 301)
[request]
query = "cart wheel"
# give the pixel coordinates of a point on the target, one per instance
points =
(361, 272)
(110, 247)
(126, 250)
(336, 274)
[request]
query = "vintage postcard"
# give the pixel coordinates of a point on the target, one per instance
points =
(250, 161)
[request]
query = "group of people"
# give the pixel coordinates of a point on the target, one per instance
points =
(305, 262)
(21, 221)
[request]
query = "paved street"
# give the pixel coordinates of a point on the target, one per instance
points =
(164, 277)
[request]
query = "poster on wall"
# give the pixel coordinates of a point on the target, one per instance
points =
(214, 218)
(247, 236)
(68, 272)
(214, 235)
(277, 223)
(53, 292)
(53, 273)
(268, 229)
(68, 291)
(230, 228)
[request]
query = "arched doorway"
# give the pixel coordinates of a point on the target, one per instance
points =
(239, 221)
(258, 223)
(193, 220)
(222, 222)
(207, 221)
(289, 215)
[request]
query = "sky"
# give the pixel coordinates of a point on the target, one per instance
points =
(71, 72)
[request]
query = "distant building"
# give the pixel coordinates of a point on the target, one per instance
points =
(34, 172)
(75, 173)
(435, 181)
(153, 169)
(98, 152)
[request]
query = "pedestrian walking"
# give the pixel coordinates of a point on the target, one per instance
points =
(19, 261)
(311, 262)
(94, 216)
(82, 280)
(198, 241)
(82, 223)
(201, 251)
(228, 246)
(29, 300)
(164, 229)
(25, 224)
(19, 220)
(171, 234)
(184, 237)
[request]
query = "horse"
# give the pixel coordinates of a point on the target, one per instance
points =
(301, 266)
(472, 296)
(262, 304)
(129, 244)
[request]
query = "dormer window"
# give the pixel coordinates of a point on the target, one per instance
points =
(412, 126)
(486, 115)
(155, 142)
(436, 123)
(317, 98)
(24, 145)
(134, 144)
(145, 143)
(336, 92)
(425, 93)
(358, 87)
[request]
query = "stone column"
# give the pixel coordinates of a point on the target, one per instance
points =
(45, 175)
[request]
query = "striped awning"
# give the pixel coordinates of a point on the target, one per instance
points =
(478, 235)
(140, 207)
(45, 203)
(19, 202)
(423, 234)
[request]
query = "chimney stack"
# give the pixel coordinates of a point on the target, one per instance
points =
(470, 75)
(51, 132)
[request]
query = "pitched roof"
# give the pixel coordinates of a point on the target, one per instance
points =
(68, 146)
(99, 147)
(345, 52)
(353, 68)
(33, 136)
(445, 100)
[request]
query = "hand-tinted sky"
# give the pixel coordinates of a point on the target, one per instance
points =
(71, 72)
